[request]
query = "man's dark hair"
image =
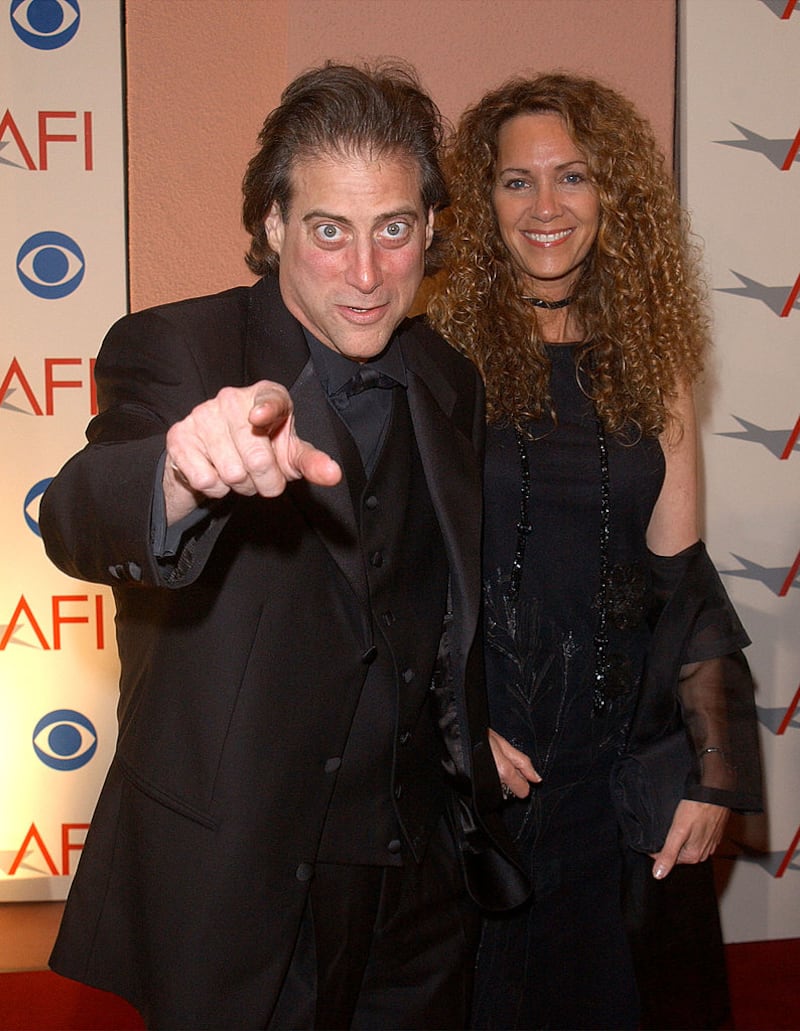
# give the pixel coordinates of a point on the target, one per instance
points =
(341, 110)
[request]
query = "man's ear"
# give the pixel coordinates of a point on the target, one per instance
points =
(274, 226)
(429, 228)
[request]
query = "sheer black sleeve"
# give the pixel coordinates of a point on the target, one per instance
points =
(697, 633)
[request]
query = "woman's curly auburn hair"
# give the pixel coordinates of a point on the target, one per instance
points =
(640, 297)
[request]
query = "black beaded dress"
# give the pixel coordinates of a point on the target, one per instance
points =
(563, 961)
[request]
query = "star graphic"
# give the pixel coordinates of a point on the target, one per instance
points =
(769, 861)
(780, 8)
(7, 861)
(774, 297)
(772, 577)
(14, 639)
(773, 440)
(8, 406)
(773, 719)
(775, 151)
(5, 161)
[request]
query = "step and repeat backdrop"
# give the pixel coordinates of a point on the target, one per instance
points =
(62, 283)
(739, 122)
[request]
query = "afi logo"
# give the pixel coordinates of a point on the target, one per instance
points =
(64, 610)
(780, 152)
(789, 855)
(783, 8)
(40, 138)
(779, 299)
(776, 864)
(43, 402)
(779, 720)
(45, 24)
(33, 837)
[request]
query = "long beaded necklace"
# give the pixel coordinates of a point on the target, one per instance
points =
(524, 530)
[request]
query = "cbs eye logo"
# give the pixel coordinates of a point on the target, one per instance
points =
(30, 508)
(64, 740)
(45, 24)
(50, 265)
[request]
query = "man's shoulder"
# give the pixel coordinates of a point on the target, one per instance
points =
(227, 307)
(418, 336)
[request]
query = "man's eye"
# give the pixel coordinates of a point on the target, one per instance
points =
(329, 233)
(397, 230)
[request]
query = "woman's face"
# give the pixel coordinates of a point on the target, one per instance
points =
(547, 210)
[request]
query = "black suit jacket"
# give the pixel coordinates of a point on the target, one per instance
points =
(242, 662)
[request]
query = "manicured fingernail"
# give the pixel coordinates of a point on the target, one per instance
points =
(660, 872)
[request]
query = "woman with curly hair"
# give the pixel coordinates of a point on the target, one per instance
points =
(573, 286)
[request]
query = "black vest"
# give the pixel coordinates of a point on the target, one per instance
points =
(390, 789)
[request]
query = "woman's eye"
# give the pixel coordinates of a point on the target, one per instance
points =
(515, 184)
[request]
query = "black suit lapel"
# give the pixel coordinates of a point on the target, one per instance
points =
(454, 481)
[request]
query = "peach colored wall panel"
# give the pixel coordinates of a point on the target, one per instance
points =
(463, 47)
(202, 75)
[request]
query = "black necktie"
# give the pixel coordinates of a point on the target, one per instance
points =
(365, 417)
(365, 379)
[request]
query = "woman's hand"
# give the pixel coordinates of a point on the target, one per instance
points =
(514, 767)
(694, 835)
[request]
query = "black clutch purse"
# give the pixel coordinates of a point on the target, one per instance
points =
(646, 787)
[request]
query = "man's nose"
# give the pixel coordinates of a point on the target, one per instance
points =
(364, 269)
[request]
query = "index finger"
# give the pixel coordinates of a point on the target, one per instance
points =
(668, 856)
(271, 406)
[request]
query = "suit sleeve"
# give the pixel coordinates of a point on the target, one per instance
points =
(95, 516)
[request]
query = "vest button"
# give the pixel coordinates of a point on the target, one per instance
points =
(304, 872)
(369, 655)
(398, 791)
(394, 846)
(388, 618)
(405, 737)
(332, 765)
(376, 559)
(407, 675)
(371, 502)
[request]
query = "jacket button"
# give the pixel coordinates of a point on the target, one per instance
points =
(369, 655)
(394, 846)
(388, 618)
(407, 675)
(376, 559)
(332, 765)
(405, 737)
(371, 502)
(304, 872)
(398, 792)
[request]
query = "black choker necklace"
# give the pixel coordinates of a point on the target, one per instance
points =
(538, 302)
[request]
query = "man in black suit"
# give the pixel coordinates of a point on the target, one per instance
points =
(303, 772)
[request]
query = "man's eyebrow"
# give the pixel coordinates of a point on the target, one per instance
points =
(385, 216)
